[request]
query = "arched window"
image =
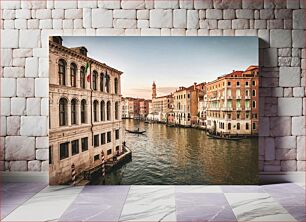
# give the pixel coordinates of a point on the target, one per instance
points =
(247, 126)
(116, 85)
(116, 110)
(253, 92)
(73, 111)
(102, 82)
(94, 80)
(102, 110)
(238, 126)
(82, 77)
(83, 111)
(62, 72)
(108, 110)
(73, 71)
(254, 104)
(107, 82)
(63, 112)
(95, 109)
(229, 126)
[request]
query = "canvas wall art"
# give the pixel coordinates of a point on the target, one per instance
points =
(153, 110)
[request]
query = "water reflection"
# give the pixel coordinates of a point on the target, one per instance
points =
(185, 156)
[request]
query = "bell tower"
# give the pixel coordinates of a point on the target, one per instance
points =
(153, 90)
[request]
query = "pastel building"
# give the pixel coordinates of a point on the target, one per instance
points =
(202, 105)
(181, 109)
(125, 108)
(134, 108)
(143, 108)
(232, 103)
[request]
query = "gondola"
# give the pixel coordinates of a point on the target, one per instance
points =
(170, 125)
(135, 131)
(224, 138)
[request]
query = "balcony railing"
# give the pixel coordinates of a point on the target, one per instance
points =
(213, 98)
(247, 108)
(226, 108)
(229, 97)
(247, 97)
(213, 108)
(238, 108)
(238, 97)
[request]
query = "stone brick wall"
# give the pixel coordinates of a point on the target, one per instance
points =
(25, 26)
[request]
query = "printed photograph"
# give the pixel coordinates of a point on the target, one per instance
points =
(153, 110)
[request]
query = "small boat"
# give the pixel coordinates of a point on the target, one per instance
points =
(170, 125)
(224, 137)
(135, 131)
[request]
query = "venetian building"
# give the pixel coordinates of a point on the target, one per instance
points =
(85, 116)
(181, 109)
(143, 108)
(232, 103)
(125, 108)
(186, 105)
(162, 106)
(202, 104)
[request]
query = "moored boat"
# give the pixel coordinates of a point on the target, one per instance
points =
(224, 137)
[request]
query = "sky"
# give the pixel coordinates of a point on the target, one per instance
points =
(169, 61)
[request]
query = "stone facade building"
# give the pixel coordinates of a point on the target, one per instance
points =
(85, 116)
(232, 103)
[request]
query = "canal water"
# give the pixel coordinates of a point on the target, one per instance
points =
(167, 155)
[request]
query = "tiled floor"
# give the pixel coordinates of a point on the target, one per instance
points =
(39, 202)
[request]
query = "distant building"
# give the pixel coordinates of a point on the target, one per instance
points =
(125, 108)
(134, 108)
(181, 108)
(202, 105)
(161, 106)
(84, 111)
(143, 108)
(232, 103)
(186, 105)
(150, 107)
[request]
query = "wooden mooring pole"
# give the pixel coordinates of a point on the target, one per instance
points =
(73, 175)
(103, 166)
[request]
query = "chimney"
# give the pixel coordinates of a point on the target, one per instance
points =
(194, 86)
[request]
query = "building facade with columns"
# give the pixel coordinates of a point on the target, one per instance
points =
(85, 116)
